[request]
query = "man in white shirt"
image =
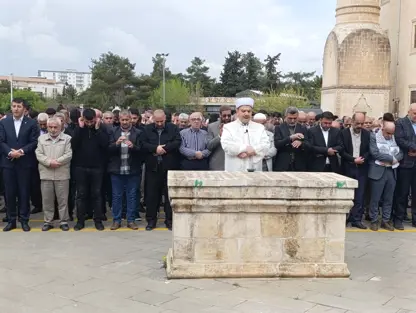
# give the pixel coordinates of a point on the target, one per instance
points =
(245, 142)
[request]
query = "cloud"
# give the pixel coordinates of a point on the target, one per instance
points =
(68, 34)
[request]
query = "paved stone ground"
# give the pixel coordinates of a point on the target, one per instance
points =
(107, 272)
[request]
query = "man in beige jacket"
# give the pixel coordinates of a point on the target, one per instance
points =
(54, 154)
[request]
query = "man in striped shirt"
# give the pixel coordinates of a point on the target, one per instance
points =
(194, 145)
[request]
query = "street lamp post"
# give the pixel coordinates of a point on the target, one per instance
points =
(164, 55)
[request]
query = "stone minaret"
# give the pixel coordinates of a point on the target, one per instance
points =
(356, 61)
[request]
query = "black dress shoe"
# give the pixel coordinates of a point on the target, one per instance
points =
(150, 227)
(25, 226)
(78, 226)
(359, 225)
(10, 226)
(64, 227)
(47, 227)
(398, 225)
(99, 226)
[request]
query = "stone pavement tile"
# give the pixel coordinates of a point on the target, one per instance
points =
(207, 284)
(10, 306)
(401, 303)
(325, 309)
(347, 304)
(406, 311)
(215, 309)
(165, 287)
(12, 292)
(259, 307)
(25, 280)
(366, 296)
(220, 299)
(112, 303)
(327, 288)
(43, 301)
(81, 308)
(153, 298)
(186, 305)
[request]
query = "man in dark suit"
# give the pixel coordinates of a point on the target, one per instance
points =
(291, 142)
(161, 141)
(325, 144)
(356, 150)
(406, 139)
(18, 141)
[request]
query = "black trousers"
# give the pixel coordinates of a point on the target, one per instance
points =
(406, 182)
(17, 188)
(195, 165)
(156, 185)
(35, 192)
(107, 192)
(360, 174)
(72, 192)
(89, 182)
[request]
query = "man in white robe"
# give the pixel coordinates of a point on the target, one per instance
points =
(245, 142)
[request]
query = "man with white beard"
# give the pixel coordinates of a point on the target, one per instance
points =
(245, 142)
(271, 152)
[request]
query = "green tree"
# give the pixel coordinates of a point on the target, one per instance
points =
(272, 75)
(33, 99)
(70, 93)
(4, 86)
(231, 77)
(197, 73)
(279, 101)
(177, 94)
(112, 82)
(253, 71)
(306, 82)
(157, 73)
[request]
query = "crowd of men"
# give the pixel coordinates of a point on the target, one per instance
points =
(80, 160)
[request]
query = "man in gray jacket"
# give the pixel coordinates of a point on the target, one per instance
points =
(216, 162)
(386, 155)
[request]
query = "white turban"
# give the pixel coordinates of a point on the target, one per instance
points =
(243, 102)
(260, 116)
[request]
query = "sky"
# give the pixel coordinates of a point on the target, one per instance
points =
(59, 35)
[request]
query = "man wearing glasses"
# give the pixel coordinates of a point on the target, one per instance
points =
(194, 145)
(216, 161)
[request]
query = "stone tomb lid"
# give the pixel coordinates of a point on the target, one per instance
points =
(259, 179)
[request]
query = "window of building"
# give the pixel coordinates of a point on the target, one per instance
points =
(412, 96)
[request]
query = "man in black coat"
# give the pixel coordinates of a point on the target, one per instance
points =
(405, 135)
(291, 142)
(18, 140)
(355, 154)
(325, 144)
(89, 145)
(161, 142)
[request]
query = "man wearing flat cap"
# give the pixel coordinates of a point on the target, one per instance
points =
(245, 142)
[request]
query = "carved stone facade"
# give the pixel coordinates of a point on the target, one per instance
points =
(357, 61)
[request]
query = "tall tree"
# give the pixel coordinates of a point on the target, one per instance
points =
(112, 79)
(157, 73)
(272, 74)
(197, 73)
(4, 86)
(177, 94)
(306, 82)
(253, 69)
(232, 75)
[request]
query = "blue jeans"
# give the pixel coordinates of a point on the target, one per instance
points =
(127, 183)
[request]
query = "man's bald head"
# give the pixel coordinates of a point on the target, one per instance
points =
(159, 118)
(159, 113)
(302, 118)
(389, 126)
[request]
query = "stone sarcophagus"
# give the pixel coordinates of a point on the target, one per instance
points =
(260, 224)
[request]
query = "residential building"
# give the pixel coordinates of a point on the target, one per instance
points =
(47, 88)
(398, 19)
(79, 80)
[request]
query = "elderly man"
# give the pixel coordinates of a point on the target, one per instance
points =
(42, 122)
(271, 152)
(386, 156)
(161, 141)
(216, 160)
(54, 154)
(245, 142)
(406, 139)
(183, 121)
(291, 141)
(311, 119)
(194, 145)
(108, 118)
(302, 118)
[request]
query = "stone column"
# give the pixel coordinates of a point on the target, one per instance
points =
(261, 224)
(356, 60)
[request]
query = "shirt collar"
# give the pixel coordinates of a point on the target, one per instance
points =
(18, 119)
(325, 131)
